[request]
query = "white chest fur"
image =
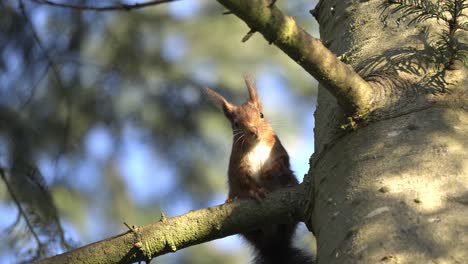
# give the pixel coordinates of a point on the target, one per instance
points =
(257, 158)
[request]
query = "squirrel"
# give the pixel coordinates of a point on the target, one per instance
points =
(259, 164)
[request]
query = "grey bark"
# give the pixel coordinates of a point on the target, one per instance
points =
(394, 190)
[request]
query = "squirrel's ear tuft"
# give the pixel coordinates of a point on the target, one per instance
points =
(250, 83)
(219, 101)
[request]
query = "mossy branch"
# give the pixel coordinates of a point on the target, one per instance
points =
(352, 92)
(171, 234)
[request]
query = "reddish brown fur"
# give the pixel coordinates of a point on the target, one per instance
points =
(250, 128)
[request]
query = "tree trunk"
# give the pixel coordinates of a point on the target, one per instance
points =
(395, 189)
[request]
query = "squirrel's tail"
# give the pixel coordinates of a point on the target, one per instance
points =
(273, 245)
(290, 255)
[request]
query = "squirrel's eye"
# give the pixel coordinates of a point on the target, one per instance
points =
(235, 125)
(261, 115)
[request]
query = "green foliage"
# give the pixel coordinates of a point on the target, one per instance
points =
(417, 10)
(448, 47)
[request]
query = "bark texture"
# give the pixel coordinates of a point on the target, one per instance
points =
(394, 190)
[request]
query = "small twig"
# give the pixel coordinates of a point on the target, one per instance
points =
(20, 209)
(120, 7)
(138, 242)
(248, 35)
(130, 227)
(252, 31)
(35, 85)
(163, 217)
(56, 73)
(18, 215)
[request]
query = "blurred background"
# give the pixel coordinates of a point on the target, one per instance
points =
(102, 120)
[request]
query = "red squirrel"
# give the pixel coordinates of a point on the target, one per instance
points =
(259, 164)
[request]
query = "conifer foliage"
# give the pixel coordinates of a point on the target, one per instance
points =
(448, 44)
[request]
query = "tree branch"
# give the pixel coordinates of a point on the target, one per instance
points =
(27, 189)
(21, 211)
(56, 72)
(120, 7)
(352, 92)
(169, 235)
